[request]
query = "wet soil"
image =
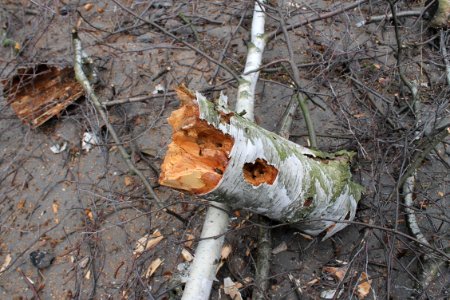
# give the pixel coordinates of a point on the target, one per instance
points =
(85, 209)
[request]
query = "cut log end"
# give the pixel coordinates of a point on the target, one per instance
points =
(198, 154)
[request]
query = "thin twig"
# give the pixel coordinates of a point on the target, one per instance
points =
(189, 23)
(30, 285)
(83, 80)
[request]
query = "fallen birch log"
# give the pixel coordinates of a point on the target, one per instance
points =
(226, 158)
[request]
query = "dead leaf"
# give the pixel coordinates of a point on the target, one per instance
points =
(128, 180)
(83, 263)
(21, 204)
(88, 6)
(337, 273)
(231, 289)
(312, 282)
(187, 256)
(55, 207)
(305, 236)
(359, 116)
(189, 240)
(89, 214)
(88, 275)
(280, 248)
(154, 265)
(441, 194)
(149, 151)
(147, 242)
(225, 252)
(248, 280)
(363, 288)
(330, 294)
(424, 204)
(167, 275)
(6, 263)
(383, 81)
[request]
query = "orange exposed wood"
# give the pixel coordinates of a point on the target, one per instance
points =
(198, 154)
(37, 94)
(260, 172)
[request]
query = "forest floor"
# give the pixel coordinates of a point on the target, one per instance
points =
(83, 211)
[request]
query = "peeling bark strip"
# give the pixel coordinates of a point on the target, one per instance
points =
(226, 158)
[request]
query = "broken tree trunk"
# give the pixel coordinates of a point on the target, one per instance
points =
(226, 158)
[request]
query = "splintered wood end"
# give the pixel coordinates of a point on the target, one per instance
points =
(198, 154)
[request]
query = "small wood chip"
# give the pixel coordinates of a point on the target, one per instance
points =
(128, 180)
(6, 263)
(187, 256)
(88, 6)
(231, 289)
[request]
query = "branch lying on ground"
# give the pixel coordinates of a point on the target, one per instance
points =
(137, 99)
(296, 77)
(90, 94)
(388, 17)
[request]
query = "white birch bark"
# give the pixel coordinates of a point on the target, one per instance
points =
(207, 254)
(247, 85)
(310, 185)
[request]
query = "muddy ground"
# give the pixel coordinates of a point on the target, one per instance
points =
(87, 211)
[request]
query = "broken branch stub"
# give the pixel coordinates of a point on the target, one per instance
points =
(226, 158)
